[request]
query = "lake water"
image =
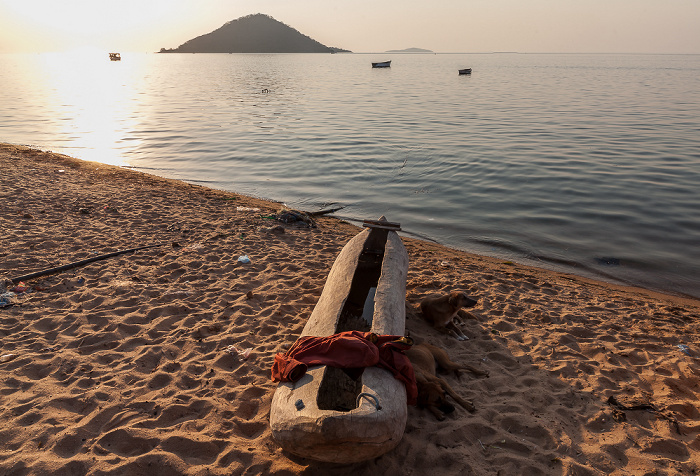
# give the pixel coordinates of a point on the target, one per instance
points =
(581, 163)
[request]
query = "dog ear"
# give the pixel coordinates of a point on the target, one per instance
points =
(454, 299)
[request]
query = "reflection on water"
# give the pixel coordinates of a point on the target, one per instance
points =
(88, 102)
(580, 163)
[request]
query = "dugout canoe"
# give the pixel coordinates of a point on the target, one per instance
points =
(340, 420)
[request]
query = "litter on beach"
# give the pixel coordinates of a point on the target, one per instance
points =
(236, 351)
(7, 357)
(20, 288)
(684, 348)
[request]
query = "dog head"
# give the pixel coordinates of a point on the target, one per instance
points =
(459, 299)
(431, 394)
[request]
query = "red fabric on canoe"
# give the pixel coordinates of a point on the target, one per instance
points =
(348, 350)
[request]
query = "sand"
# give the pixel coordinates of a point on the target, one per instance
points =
(124, 366)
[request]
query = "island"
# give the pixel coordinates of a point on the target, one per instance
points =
(410, 50)
(257, 33)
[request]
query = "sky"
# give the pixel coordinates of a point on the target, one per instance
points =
(363, 26)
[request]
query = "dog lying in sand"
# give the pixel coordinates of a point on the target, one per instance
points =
(441, 312)
(432, 390)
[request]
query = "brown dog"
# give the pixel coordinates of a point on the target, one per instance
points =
(426, 359)
(441, 312)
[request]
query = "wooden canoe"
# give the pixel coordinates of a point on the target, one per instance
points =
(325, 415)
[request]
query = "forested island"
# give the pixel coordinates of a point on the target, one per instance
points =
(256, 33)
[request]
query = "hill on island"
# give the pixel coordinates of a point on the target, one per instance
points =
(256, 33)
(411, 50)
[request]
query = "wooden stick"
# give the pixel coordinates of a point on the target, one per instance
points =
(76, 264)
(323, 212)
(383, 224)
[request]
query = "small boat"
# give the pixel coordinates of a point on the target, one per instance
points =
(465, 71)
(326, 415)
(115, 57)
(382, 64)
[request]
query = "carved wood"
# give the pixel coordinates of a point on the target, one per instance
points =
(362, 432)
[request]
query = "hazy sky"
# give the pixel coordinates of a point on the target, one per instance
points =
(605, 26)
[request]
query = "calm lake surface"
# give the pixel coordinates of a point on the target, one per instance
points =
(580, 163)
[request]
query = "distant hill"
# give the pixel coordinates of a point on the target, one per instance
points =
(410, 50)
(253, 34)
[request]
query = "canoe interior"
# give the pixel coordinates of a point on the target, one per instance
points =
(339, 388)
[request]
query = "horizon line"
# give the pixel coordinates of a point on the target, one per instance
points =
(398, 52)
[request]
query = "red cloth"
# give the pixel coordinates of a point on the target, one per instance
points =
(348, 350)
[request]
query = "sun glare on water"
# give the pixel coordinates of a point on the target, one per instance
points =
(91, 99)
(95, 99)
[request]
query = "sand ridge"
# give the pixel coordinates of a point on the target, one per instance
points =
(124, 366)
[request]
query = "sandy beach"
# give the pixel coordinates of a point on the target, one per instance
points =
(130, 365)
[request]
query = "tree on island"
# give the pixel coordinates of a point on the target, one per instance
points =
(256, 33)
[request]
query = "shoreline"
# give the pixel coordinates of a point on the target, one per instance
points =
(614, 283)
(575, 269)
(122, 364)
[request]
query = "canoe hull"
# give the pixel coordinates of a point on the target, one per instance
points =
(363, 432)
(339, 437)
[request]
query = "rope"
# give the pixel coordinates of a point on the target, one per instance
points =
(370, 397)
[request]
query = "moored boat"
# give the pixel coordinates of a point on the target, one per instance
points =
(115, 57)
(465, 71)
(327, 415)
(382, 64)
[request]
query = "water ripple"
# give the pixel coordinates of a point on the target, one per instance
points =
(570, 162)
